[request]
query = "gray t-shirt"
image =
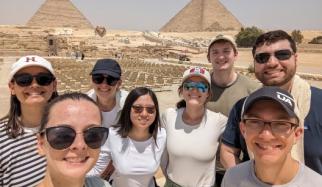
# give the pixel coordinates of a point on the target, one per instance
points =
(224, 98)
(243, 175)
(96, 182)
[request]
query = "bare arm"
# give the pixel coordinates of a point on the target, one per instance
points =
(229, 156)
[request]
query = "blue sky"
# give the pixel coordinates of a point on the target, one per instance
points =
(153, 14)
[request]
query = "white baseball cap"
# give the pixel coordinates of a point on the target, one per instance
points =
(196, 71)
(30, 60)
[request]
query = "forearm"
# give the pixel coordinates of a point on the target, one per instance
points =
(229, 157)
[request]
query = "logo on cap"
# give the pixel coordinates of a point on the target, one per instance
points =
(284, 98)
(197, 70)
(32, 59)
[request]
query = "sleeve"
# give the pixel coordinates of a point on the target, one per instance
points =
(231, 135)
(226, 179)
(163, 119)
(102, 162)
(222, 122)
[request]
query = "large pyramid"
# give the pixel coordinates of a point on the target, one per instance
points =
(202, 15)
(59, 13)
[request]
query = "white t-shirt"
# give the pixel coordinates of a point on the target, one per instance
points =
(110, 118)
(191, 150)
(135, 162)
(243, 175)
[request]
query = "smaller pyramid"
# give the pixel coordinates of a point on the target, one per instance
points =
(59, 13)
(202, 15)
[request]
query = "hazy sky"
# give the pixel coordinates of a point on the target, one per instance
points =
(153, 14)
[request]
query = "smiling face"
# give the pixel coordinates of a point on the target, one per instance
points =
(267, 147)
(106, 92)
(222, 56)
(142, 119)
(75, 161)
(195, 97)
(276, 72)
(34, 94)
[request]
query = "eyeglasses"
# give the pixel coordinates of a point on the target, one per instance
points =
(200, 86)
(99, 79)
(139, 109)
(283, 54)
(62, 137)
(25, 79)
(278, 127)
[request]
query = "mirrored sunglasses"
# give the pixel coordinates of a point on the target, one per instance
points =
(200, 86)
(63, 136)
(25, 79)
(263, 58)
(139, 109)
(99, 79)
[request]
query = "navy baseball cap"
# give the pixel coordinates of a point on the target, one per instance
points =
(282, 97)
(107, 66)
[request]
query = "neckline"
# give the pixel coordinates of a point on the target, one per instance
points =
(192, 126)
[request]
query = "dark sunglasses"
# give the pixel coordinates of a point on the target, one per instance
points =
(200, 86)
(25, 79)
(139, 109)
(62, 137)
(263, 58)
(99, 79)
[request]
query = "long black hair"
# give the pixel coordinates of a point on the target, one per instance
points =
(125, 124)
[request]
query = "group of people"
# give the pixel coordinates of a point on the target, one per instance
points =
(109, 137)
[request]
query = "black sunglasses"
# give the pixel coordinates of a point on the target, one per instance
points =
(139, 109)
(25, 79)
(62, 137)
(283, 54)
(99, 79)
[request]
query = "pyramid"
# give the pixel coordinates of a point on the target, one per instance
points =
(59, 13)
(202, 15)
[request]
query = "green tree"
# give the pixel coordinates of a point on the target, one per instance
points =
(247, 36)
(297, 36)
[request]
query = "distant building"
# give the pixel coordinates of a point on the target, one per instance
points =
(202, 15)
(59, 13)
